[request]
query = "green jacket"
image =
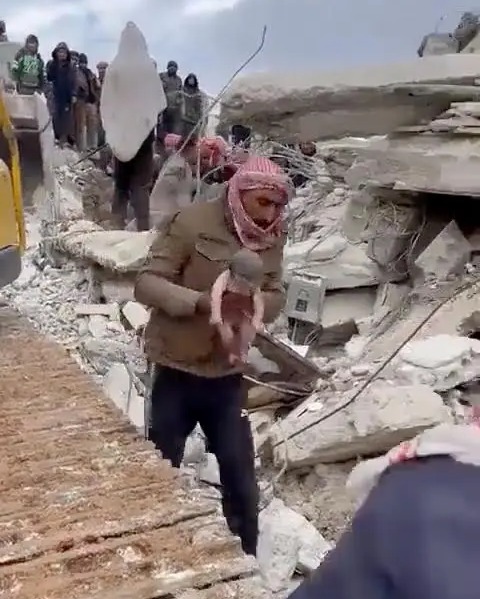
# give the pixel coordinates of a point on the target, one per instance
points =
(28, 70)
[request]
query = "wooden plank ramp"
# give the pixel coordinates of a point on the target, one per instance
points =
(87, 508)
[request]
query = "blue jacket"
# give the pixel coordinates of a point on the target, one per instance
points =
(417, 536)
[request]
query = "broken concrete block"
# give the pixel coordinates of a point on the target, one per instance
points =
(341, 264)
(442, 361)
(119, 387)
(445, 257)
(343, 305)
(102, 353)
(109, 310)
(132, 95)
(97, 326)
(287, 541)
(117, 291)
(194, 448)
(209, 471)
(384, 415)
(136, 315)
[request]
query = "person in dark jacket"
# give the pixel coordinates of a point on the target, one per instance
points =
(172, 85)
(192, 108)
(133, 182)
(85, 109)
(61, 73)
(415, 537)
(28, 68)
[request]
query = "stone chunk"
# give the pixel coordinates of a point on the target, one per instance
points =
(119, 387)
(341, 264)
(132, 95)
(442, 361)
(136, 314)
(384, 415)
(209, 470)
(287, 541)
(445, 257)
(109, 310)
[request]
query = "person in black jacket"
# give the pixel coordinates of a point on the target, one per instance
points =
(61, 74)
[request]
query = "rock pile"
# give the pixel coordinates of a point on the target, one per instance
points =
(386, 226)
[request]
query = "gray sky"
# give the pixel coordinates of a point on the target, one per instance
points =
(213, 37)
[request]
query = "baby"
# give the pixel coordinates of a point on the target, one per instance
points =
(237, 304)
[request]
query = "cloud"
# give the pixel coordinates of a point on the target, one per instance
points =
(193, 8)
(213, 37)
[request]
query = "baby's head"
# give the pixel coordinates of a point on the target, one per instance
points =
(247, 269)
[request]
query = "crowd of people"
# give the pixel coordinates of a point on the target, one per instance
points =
(73, 92)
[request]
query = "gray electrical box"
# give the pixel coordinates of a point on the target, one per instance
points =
(305, 299)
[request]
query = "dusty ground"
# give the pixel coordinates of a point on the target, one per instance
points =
(87, 510)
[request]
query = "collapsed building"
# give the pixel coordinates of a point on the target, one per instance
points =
(383, 244)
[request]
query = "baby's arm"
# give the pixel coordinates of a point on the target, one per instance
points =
(218, 289)
(258, 309)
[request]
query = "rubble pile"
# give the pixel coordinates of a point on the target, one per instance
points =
(386, 226)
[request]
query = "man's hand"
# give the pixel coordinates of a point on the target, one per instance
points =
(204, 303)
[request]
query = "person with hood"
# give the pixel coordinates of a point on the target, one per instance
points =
(3, 32)
(192, 105)
(85, 109)
(28, 68)
(61, 74)
(172, 85)
(194, 383)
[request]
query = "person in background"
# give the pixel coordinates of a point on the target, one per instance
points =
(28, 68)
(74, 55)
(3, 32)
(194, 382)
(241, 136)
(173, 178)
(61, 74)
(102, 67)
(133, 181)
(172, 85)
(192, 106)
(85, 110)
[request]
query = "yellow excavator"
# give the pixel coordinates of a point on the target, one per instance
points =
(26, 147)
(12, 224)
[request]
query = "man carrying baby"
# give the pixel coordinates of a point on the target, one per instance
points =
(196, 380)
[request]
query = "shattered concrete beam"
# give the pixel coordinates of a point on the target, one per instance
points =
(294, 107)
(413, 170)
